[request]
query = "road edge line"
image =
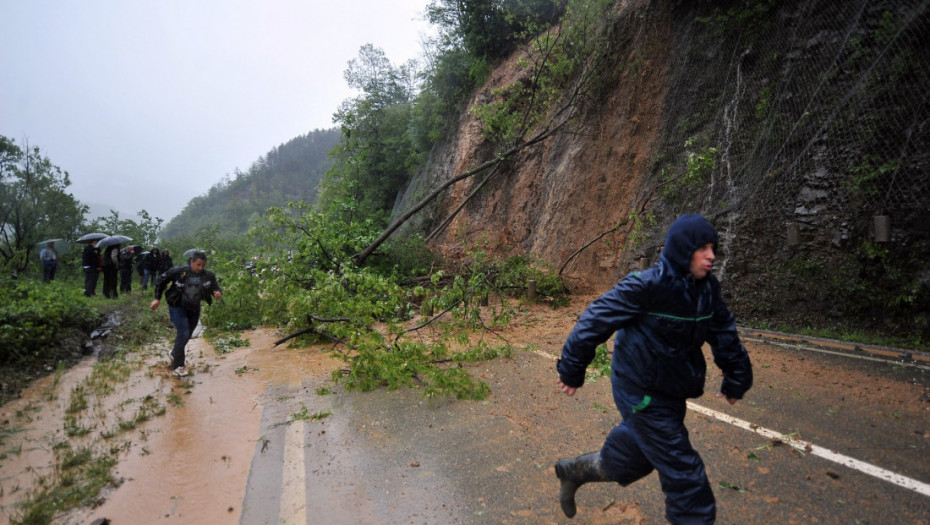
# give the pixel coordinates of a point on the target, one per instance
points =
(824, 453)
(806, 447)
(293, 506)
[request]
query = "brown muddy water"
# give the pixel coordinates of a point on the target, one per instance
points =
(190, 463)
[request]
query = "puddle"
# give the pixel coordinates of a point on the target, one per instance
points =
(194, 461)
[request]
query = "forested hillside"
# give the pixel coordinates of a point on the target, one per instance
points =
(289, 172)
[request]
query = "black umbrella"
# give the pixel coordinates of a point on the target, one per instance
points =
(91, 237)
(111, 240)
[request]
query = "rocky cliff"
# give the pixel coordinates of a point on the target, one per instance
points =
(799, 128)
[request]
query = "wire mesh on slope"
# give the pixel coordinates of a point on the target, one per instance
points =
(807, 114)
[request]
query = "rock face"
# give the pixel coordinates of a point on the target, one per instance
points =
(792, 127)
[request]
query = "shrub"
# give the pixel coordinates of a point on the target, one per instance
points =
(33, 316)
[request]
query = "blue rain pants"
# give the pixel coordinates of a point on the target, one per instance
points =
(653, 436)
(184, 321)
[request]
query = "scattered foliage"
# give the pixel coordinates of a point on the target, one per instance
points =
(304, 415)
(34, 317)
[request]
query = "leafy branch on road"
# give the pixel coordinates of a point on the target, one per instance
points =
(368, 312)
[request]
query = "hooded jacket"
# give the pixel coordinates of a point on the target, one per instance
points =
(662, 316)
(126, 259)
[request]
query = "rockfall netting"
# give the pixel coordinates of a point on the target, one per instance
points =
(802, 129)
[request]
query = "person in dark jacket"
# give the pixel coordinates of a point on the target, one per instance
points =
(126, 259)
(150, 268)
(184, 288)
(111, 271)
(166, 262)
(662, 316)
(90, 262)
(140, 264)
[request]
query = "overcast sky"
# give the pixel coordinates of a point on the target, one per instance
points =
(147, 104)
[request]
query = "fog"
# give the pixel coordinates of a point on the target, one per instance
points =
(148, 104)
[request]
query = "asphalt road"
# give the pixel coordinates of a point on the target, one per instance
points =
(826, 438)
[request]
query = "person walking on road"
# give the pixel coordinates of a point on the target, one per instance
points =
(662, 316)
(184, 288)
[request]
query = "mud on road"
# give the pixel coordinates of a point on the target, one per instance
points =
(260, 435)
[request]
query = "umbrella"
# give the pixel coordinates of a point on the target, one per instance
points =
(189, 253)
(111, 240)
(91, 237)
(61, 246)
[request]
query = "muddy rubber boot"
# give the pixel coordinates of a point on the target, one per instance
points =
(573, 473)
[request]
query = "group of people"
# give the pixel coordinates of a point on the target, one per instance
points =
(152, 264)
(116, 265)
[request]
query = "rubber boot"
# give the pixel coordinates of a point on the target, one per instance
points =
(574, 473)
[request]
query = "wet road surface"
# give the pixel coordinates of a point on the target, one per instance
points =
(240, 447)
(391, 457)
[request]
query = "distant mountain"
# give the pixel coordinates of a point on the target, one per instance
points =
(288, 173)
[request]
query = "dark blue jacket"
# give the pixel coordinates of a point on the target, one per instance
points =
(662, 317)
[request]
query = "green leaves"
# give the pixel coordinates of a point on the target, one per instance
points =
(34, 203)
(300, 275)
(33, 315)
(376, 155)
(304, 415)
(143, 232)
(600, 366)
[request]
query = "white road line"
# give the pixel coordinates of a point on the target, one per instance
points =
(806, 447)
(294, 483)
(809, 448)
(834, 352)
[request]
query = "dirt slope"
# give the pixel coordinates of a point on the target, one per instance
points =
(553, 198)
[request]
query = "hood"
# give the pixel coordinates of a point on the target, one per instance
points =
(685, 235)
